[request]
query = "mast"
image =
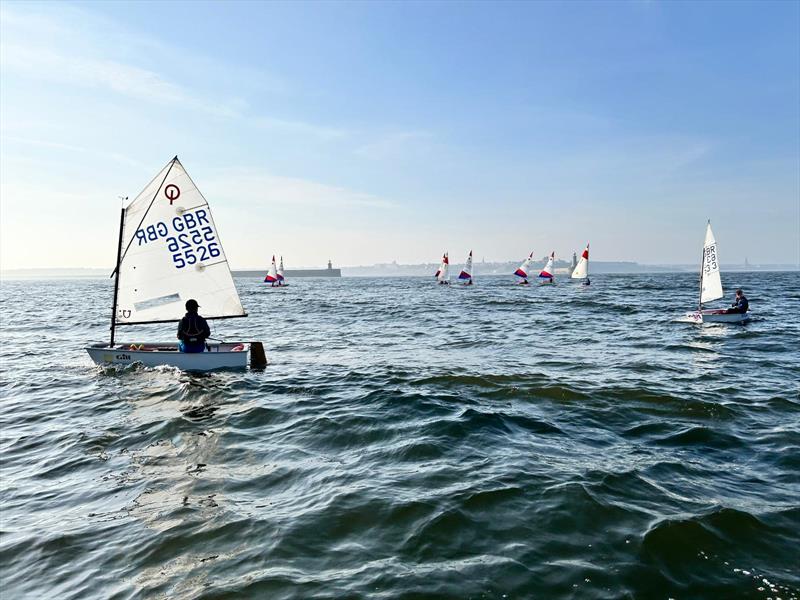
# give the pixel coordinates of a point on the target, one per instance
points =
(116, 275)
(702, 264)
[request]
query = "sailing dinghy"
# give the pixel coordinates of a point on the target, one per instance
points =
(272, 275)
(581, 270)
(524, 269)
(546, 274)
(466, 273)
(443, 273)
(168, 252)
(711, 287)
(281, 278)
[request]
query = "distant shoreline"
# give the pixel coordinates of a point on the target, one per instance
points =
(419, 270)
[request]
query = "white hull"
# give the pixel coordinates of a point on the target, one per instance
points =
(221, 356)
(717, 316)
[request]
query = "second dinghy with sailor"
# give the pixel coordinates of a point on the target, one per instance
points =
(581, 270)
(546, 274)
(466, 274)
(524, 269)
(443, 272)
(711, 288)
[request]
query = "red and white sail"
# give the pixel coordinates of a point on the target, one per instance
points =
(466, 273)
(272, 275)
(525, 268)
(547, 272)
(279, 273)
(443, 272)
(581, 270)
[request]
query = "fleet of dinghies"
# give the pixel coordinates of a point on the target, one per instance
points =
(275, 275)
(169, 251)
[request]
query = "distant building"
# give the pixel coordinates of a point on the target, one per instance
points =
(574, 260)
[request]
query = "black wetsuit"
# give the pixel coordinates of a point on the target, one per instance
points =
(193, 331)
(740, 305)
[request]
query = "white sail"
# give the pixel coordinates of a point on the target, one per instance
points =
(171, 252)
(547, 272)
(710, 281)
(443, 274)
(272, 274)
(525, 267)
(466, 273)
(279, 272)
(581, 270)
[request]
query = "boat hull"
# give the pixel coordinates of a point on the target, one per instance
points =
(220, 356)
(717, 316)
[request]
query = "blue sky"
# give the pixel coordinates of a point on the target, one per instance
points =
(371, 132)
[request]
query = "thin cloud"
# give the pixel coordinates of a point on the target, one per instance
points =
(275, 189)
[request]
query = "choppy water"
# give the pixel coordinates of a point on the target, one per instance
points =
(409, 440)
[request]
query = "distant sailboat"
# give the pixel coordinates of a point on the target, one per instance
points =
(443, 272)
(272, 275)
(281, 278)
(168, 252)
(524, 269)
(711, 287)
(546, 274)
(581, 270)
(466, 274)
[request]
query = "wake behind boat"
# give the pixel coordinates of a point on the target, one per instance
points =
(711, 288)
(168, 252)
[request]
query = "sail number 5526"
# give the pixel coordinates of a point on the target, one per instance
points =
(190, 256)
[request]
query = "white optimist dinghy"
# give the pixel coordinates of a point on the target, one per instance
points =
(581, 270)
(546, 274)
(443, 273)
(711, 287)
(169, 251)
(466, 274)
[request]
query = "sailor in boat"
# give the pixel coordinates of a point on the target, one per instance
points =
(524, 281)
(587, 282)
(740, 304)
(193, 329)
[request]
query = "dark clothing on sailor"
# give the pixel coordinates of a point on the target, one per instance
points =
(192, 332)
(740, 305)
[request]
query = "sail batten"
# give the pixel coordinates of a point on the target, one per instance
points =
(172, 252)
(710, 280)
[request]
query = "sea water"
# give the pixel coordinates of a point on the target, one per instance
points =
(409, 440)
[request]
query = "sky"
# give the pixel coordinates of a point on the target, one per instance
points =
(372, 132)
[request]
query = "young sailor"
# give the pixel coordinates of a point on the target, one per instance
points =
(193, 329)
(740, 303)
